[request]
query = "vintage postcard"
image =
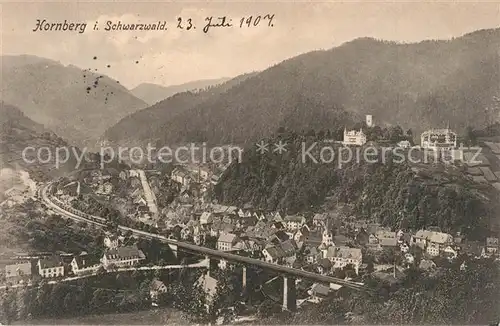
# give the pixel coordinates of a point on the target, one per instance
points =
(252, 162)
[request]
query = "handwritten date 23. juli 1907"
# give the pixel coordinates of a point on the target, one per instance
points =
(227, 22)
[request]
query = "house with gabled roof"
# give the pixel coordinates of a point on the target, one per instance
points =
(50, 267)
(85, 263)
(302, 233)
(294, 222)
(436, 241)
(318, 292)
(343, 256)
(289, 248)
(313, 255)
(491, 248)
(324, 266)
(122, 257)
(156, 288)
(273, 254)
(278, 225)
(320, 219)
(226, 241)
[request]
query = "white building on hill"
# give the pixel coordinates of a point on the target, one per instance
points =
(354, 137)
(436, 139)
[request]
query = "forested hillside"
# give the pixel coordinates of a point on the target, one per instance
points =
(417, 86)
(77, 104)
(393, 193)
(18, 132)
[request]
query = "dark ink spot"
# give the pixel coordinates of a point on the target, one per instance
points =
(88, 88)
(109, 66)
(95, 58)
(137, 62)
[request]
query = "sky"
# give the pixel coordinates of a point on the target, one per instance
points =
(177, 56)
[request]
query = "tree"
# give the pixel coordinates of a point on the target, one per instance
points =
(409, 134)
(470, 136)
(267, 308)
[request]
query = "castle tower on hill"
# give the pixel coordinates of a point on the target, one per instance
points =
(369, 120)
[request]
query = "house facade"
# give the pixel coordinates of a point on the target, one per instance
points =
(50, 267)
(432, 242)
(343, 256)
(293, 222)
(156, 288)
(111, 241)
(85, 264)
(354, 137)
(273, 254)
(437, 139)
(122, 257)
(226, 241)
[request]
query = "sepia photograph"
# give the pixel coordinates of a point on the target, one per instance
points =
(249, 162)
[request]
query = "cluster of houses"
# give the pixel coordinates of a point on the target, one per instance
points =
(272, 237)
(58, 266)
(314, 243)
(201, 174)
(100, 181)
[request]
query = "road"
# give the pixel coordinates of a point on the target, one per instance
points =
(202, 264)
(148, 193)
(294, 272)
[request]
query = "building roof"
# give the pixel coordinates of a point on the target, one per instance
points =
(50, 262)
(433, 236)
(313, 251)
(156, 285)
(281, 235)
(325, 263)
(18, 269)
(275, 252)
(278, 225)
(125, 252)
(347, 253)
(304, 230)
(84, 261)
(340, 239)
(491, 241)
(227, 237)
(294, 218)
(320, 217)
(438, 131)
(388, 242)
(320, 289)
(289, 247)
(427, 264)
(384, 234)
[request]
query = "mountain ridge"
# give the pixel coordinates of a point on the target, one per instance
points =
(153, 93)
(76, 104)
(416, 85)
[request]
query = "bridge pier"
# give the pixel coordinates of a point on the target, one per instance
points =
(244, 279)
(289, 294)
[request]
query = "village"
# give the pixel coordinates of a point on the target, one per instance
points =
(179, 204)
(327, 243)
